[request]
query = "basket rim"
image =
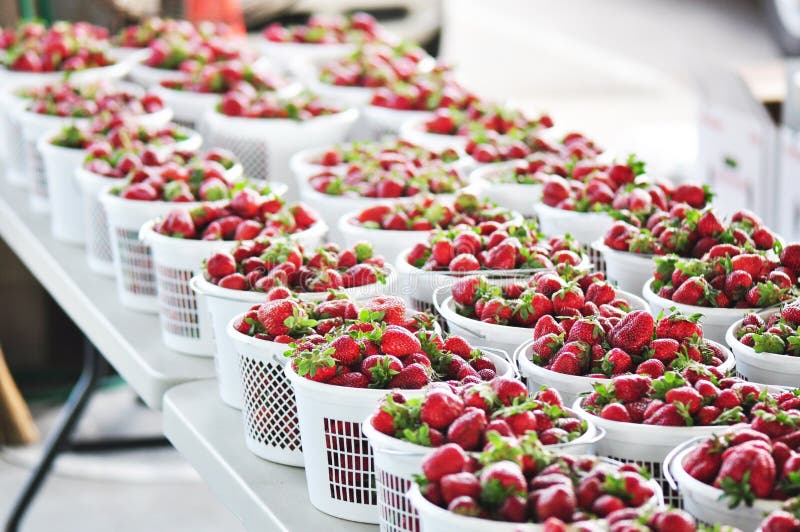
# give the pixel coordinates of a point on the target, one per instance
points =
(346, 114)
(481, 173)
(346, 225)
(546, 210)
(600, 246)
(707, 312)
(413, 126)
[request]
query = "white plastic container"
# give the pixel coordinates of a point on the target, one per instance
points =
(397, 461)
(764, 368)
(66, 199)
(715, 321)
(585, 227)
(436, 519)
(505, 337)
(647, 445)
(383, 121)
(267, 401)
(98, 239)
(117, 70)
(572, 386)
(629, 271)
(706, 502)
(514, 196)
(386, 242)
(187, 106)
(413, 130)
(13, 146)
(290, 55)
(338, 457)
(265, 145)
(223, 304)
(148, 76)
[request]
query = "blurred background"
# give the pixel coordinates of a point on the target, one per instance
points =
(700, 88)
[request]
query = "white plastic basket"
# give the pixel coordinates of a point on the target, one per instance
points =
(715, 321)
(224, 304)
(265, 146)
(98, 239)
(66, 199)
(13, 145)
(585, 227)
(148, 76)
(133, 261)
(290, 55)
(383, 121)
(705, 502)
(338, 457)
(506, 337)
(627, 270)
(116, 71)
(646, 445)
(388, 243)
(413, 130)
(514, 196)
(397, 461)
(763, 368)
(572, 386)
(269, 408)
(187, 106)
(436, 519)
(184, 319)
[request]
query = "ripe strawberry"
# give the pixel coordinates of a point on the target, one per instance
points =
(692, 291)
(497, 311)
(556, 502)
(467, 430)
(617, 362)
(508, 390)
(615, 412)
(751, 263)
(283, 316)
(346, 350)
(352, 379)
(440, 409)
(567, 299)
(747, 473)
(392, 308)
(665, 415)
(704, 460)
(464, 289)
(600, 293)
(547, 325)
(633, 332)
(566, 363)
(411, 377)
(686, 396)
(445, 460)
(399, 341)
(679, 327)
(380, 369)
(457, 485)
(790, 257)
(709, 224)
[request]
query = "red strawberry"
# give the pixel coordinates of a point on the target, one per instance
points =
(686, 396)
(411, 377)
(666, 415)
(628, 388)
(747, 473)
(704, 460)
(567, 299)
(679, 327)
(440, 409)
(547, 325)
(445, 460)
(457, 485)
(692, 291)
(347, 351)
(709, 224)
(399, 341)
(633, 332)
(615, 412)
(566, 363)
(790, 257)
(508, 390)
(282, 316)
(751, 263)
(352, 379)
(467, 429)
(556, 502)
(617, 362)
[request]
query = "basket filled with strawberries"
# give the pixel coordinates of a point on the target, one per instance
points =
(520, 485)
(450, 128)
(338, 383)
(366, 185)
(645, 418)
(182, 239)
(766, 346)
(726, 283)
(394, 227)
(572, 353)
(504, 312)
(403, 431)
(265, 129)
(506, 250)
(52, 106)
(252, 377)
(629, 246)
(186, 180)
(199, 87)
(744, 473)
(138, 37)
(233, 281)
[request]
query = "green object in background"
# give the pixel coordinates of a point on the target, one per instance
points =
(36, 9)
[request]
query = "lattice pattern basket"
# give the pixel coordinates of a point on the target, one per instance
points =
(188, 107)
(12, 145)
(264, 146)
(98, 238)
(66, 199)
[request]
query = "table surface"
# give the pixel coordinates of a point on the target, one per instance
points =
(129, 340)
(262, 494)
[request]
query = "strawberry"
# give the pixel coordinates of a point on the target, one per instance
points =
(556, 502)
(567, 299)
(508, 390)
(547, 325)
(566, 363)
(737, 284)
(440, 409)
(616, 362)
(600, 293)
(679, 327)
(457, 485)
(283, 316)
(704, 460)
(747, 472)
(790, 257)
(653, 368)
(352, 379)
(380, 369)
(709, 224)
(467, 429)
(633, 332)
(615, 412)
(445, 460)
(393, 309)
(751, 263)
(629, 388)
(412, 377)
(464, 290)
(346, 350)
(497, 311)
(688, 397)
(399, 341)
(692, 291)
(666, 415)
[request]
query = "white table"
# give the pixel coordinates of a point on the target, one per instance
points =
(130, 341)
(263, 495)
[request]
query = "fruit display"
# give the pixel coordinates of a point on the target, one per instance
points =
(521, 481)
(266, 263)
(88, 100)
(489, 146)
(427, 213)
(482, 116)
(689, 398)
(179, 52)
(327, 29)
(119, 132)
(492, 246)
(424, 92)
(141, 35)
(689, 232)
(465, 415)
(787, 519)
(602, 347)
(374, 65)
(223, 76)
(221, 220)
(244, 101)
(63, 47)
(730, 276)
(384, 153)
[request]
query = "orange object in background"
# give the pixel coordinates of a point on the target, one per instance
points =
(227, 11)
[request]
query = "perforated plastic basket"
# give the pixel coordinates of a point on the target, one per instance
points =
(390, 244)
(98, 239)
(647, 445)
(188, 107)
(265, 145)
(571, 386)
(66, 204)
(515, 196)
(627, 270)
(148, 76)
(706, 503)
(185, 323)
(223, 304)
(133, 261)
(585, 227)
(338, 457)
(12, 145)
(290, 55)
(715, 321)
(397, 461)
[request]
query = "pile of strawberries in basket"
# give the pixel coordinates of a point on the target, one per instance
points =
(88, 100)
(776, 334)
(267, 262)
(244, 101)
(374, 65)
(384, 153)
(64, 47)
